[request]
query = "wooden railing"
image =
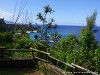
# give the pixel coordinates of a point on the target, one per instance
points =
(49, 59)
(75, 68)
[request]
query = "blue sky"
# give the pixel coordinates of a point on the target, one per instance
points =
(67, 12)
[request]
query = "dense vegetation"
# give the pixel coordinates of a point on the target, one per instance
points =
(84, 50)
(4, 27)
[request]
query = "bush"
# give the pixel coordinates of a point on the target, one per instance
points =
(97, 59)
(6, 38)
(39, 46)
(23, 42)
(68, 44)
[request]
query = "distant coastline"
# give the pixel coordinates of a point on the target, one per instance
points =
(65, 30)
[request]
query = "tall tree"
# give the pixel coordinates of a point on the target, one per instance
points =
(91, 22)
(47, 25)
(42, 17)
(88, 42)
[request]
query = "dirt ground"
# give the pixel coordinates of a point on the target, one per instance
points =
(29, 71)
(35, 73)
(19, 71)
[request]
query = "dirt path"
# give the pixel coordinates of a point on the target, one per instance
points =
(35, 73)
(19, 71)
(30, 71)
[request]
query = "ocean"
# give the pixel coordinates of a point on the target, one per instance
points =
(65, 30)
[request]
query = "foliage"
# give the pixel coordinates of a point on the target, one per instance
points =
(6, 38)
(23, 28)
(84, 51)
(91, 22)
(88, 44)
(68, 44)
(36, 37)
(65, 49)
(39, 46)
(56, 37)
(5, 27)
(21, 54)
(47, 25)
(23, 42)
(97, 59)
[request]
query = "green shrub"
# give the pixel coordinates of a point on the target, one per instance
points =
(39, 46)
(67, 44)
(6, 38)
(23, 43)
(97, 59)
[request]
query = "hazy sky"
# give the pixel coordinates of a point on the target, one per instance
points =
(67, 12)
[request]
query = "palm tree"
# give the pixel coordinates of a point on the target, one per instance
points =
(42, 17)
(48, 9)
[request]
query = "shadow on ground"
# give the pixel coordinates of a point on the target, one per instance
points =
(19, 71)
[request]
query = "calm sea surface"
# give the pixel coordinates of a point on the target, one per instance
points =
(65, 30)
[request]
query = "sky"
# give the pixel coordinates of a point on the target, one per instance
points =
(67, 12)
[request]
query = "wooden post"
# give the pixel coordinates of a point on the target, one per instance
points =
(2, 49)
(32, 54)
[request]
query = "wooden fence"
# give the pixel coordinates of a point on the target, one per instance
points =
(49, 59)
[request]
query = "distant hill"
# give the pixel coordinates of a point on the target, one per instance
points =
(6, 26)
(8, 22)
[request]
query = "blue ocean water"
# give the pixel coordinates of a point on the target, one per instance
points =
(65, 30)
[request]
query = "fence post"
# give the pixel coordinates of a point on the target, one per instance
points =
(2, 49)
(32, 55)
